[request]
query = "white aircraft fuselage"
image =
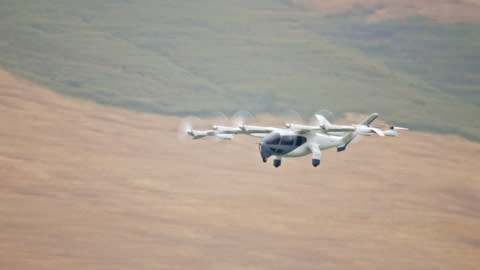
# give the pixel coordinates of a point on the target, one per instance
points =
(296, 140)
(287, 143)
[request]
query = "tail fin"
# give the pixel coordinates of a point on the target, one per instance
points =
(369, 119)
(322, 121)
(346, 140)
(351, 135)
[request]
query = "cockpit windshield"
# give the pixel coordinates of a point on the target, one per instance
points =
(276, 139)
(287, 140)
(272, 138)
(300, 140)
(276, 144)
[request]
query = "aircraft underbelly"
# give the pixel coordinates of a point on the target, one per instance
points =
(326, 142)
(299, 151)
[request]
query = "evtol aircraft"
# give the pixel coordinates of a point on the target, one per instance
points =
(296, 140)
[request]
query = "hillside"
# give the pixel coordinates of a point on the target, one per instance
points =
(440, 10)
(406, 61)
(90, 187)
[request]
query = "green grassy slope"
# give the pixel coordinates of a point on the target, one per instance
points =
(182, 57)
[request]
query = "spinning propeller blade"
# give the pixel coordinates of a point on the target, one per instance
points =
(290, 117)
(240, 118)
(185, 129)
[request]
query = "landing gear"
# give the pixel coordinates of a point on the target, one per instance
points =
(342, 148)
(316, 154)
(277, 162)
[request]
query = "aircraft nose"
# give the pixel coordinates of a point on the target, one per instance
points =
(264, 152)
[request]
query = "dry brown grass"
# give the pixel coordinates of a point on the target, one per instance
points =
(442, 10)
(88, 187)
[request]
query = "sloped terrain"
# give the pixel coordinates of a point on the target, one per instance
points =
(182, 57)
(89, 187)
(442, 10)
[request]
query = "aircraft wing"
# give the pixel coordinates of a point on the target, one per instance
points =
(302, 129)
(328, 127)
(242, 129)
(248, 129)
(336, 128)
(324, 128)
(227, 133)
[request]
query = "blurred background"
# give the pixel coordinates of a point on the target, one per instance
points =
(93, 174)
(417, 63)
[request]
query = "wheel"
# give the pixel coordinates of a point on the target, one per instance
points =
(277, 162)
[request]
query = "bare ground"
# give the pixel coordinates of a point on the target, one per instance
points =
(442, 10)
(88, 187)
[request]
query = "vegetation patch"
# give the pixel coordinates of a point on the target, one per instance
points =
(186, 57)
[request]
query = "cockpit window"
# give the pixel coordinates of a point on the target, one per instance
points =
(287, 140)
(300, 140)
(272, 138)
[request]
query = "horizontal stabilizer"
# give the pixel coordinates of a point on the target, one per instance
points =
(390, 132)
(370, 119)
